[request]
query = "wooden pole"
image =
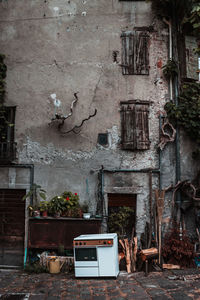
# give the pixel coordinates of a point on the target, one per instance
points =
(150, 209)
(159, 195)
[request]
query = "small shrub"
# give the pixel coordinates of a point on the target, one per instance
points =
(178, 250)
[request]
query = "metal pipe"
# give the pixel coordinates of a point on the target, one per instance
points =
(177, 148)
(159, 155)
(170, 55)
(132, 170)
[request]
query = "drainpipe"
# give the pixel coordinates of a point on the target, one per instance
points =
(177, 141)
(160, 154)
(170, 55)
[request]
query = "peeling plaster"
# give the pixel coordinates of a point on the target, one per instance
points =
(113, 138)
(36, 153)
(65, 9)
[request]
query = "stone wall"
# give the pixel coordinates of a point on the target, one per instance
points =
(63, 47)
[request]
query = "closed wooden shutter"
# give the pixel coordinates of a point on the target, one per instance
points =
(142, 127)
(128, 127)
(135, 55)
(135, 129)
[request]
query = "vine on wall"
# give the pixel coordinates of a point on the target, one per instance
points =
(187, 112)
(186, 13)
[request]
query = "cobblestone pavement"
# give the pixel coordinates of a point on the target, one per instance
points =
(177, 285)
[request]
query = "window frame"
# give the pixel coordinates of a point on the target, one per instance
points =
(8, 146)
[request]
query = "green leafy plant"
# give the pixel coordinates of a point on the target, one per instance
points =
(43, 206)
(187, 112)
(36, 193)
(184, 12)
(170, 70)
(121, 221)
(167, 8)
(57, 205)
(72, 200)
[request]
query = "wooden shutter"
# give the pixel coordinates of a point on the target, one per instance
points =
(142, 127)
(135, 130)
(135, 55)
(128, 127)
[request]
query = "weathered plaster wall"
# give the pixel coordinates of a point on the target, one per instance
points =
(65, 47)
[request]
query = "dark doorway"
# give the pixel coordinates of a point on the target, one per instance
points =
(122, 214)
(12, 227)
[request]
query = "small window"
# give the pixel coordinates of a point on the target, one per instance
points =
(7, 144)
(135, 55)
(192, 59)
(134, 125)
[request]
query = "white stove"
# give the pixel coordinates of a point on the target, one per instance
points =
(96, 255)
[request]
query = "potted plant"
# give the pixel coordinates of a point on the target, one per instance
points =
(84, 208)
(57, 205)
(36, 193)
(72, 204)
(43, 207)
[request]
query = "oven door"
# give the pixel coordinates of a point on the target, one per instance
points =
(85, 257)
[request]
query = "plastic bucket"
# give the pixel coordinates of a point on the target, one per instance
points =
(54, 266)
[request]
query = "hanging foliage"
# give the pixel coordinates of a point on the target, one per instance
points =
(170, 70)
(187, 112)
(184, 12)
(169, 8)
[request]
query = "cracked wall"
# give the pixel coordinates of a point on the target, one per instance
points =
(64, 47)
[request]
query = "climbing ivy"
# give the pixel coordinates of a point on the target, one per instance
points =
(167, 8)
(184, 12)
(170, 70)
(187, 112)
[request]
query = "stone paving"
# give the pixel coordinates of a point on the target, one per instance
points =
(177, 285)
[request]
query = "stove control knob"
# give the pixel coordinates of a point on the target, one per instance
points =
(104, 242)
(76, 243)
(80, 243)
(84, 243)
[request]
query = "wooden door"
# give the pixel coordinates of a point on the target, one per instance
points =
(12, 227)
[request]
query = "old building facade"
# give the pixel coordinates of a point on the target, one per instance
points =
(95, 68)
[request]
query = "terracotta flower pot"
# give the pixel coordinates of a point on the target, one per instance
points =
(45, 214)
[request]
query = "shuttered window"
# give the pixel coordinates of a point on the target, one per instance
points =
(7, 144)
(135, 128)
(135, 55)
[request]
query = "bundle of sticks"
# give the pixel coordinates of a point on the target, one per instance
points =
(129, 252)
